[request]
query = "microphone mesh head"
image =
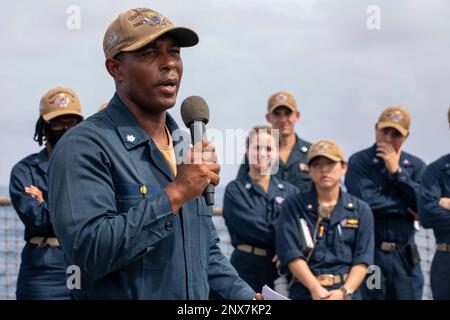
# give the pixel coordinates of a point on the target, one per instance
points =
(194, 108)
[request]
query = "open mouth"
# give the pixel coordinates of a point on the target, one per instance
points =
(169, 82)
(169, 86)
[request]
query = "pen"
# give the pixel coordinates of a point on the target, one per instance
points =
(339, 230)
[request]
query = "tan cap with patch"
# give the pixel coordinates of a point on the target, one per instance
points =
(136, 28)
(326, 148)
(281, 99)
(59, 101)
(396, 117)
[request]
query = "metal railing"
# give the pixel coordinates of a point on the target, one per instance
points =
(11, 244)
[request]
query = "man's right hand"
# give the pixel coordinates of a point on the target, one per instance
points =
(198, 169)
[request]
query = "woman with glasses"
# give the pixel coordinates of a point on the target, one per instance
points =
(42, 273)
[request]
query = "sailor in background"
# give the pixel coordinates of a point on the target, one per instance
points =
(283, 115)
(339, 225)
(434, 210)
(251, 206)
(388, 179)
(42, 273)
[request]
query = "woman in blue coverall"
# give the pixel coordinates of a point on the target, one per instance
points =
(42, 274)
(252, 203)
(335, 260)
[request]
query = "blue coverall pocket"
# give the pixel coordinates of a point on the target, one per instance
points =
(344, 246)
(204, 215)
(130, 195)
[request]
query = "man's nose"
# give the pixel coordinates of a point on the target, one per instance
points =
(389, 137)
(168, 62)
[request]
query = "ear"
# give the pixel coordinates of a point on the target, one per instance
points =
(298, 115)
(269, 117)
(406, 137)
(344, 168)
(114, 68)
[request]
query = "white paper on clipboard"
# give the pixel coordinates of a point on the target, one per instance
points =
(309, 243)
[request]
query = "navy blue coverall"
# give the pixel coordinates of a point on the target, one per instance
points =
(250, 214)
(392, 199)
(436, 185)
(347, 238)
(42, 273)
(115, 221)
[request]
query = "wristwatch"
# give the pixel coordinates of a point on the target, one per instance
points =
(348, 295)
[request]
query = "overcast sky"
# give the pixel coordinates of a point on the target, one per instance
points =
(342, 73)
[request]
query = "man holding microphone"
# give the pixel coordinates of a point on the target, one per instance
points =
(129, 213)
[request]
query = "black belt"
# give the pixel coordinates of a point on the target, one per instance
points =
(252, 250)
(443, 247)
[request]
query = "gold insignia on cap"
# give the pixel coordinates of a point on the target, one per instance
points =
(143, 189)
(62, 100)
(320, 148)
(396, 116)
(309, 206)
(155, 19)
(281, 97)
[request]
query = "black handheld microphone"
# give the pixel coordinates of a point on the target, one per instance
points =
(195, 115)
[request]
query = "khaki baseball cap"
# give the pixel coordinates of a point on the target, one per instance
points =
(136, 28)
(59, 101)
(280, 99)
(326, 148)
(396, 117)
